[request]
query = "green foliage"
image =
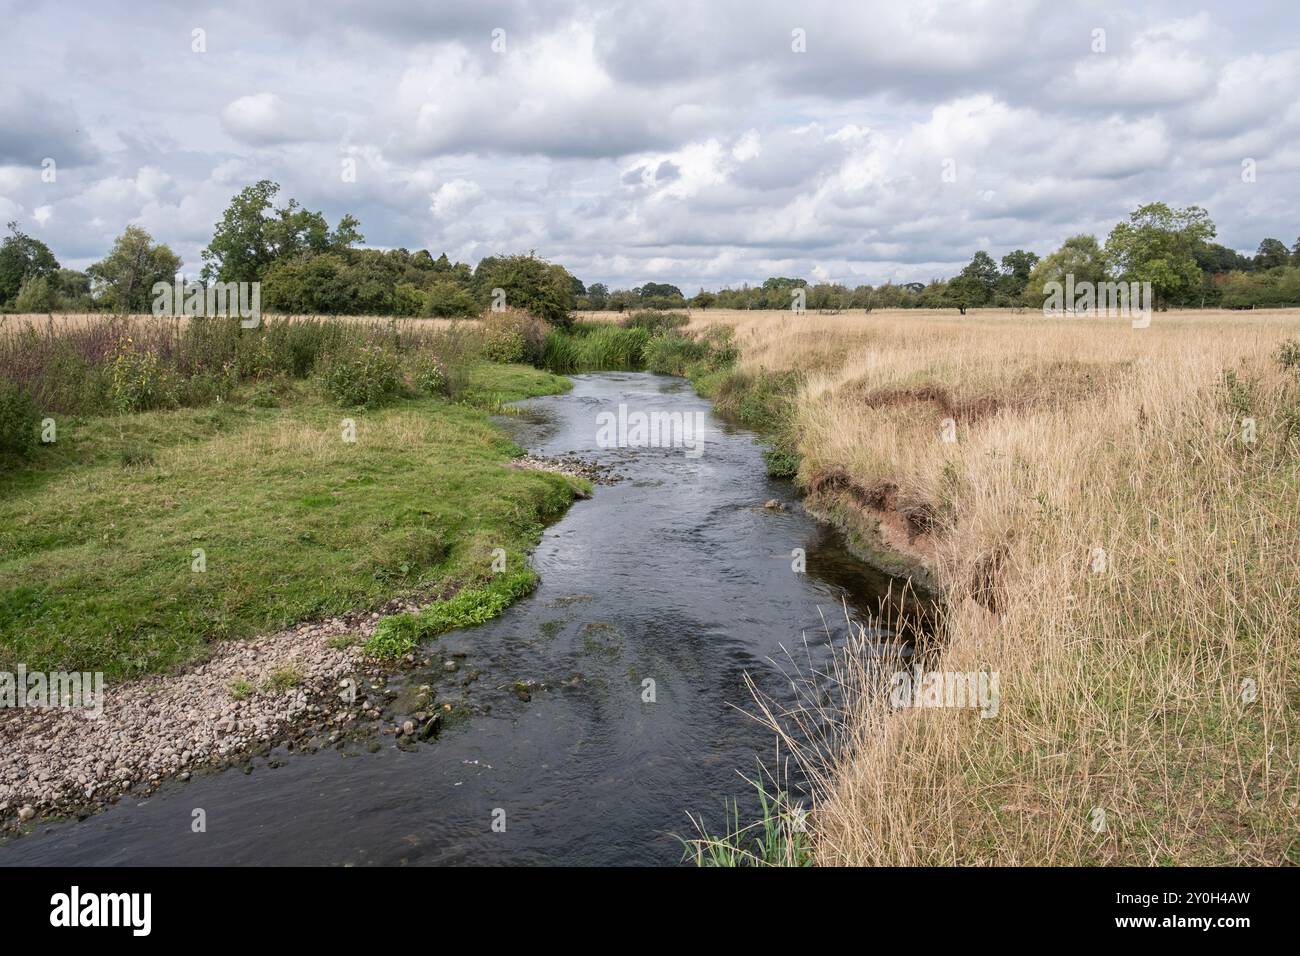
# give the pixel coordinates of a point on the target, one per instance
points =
(449, 300)
(369, 376)
(36, 294)
(1288, 355)
(596, 347)
(1158, 245)
(1080, 256)
(19, 422)
(529, 283)
(399, 634)
(1249, 290)
(253, 235)
(655, 322)
(22, 258)
(430, 375)
(778, 835)
(782, 462)
(674, 353)
(125, 278)
(139, 381)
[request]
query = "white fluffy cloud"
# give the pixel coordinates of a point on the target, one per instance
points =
(658, 139)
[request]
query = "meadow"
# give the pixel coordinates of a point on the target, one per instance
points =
(1113, 530)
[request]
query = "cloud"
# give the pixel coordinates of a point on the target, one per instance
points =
(264, 119)
(38, 126)
(657, 139)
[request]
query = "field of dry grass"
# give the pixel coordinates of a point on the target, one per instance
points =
(1149, 689)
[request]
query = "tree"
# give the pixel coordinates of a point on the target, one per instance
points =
(529, 283)
(974, 285)
(21, 258)
(36, 294)
(1271, 254)
(1016, 269)
(1158, 245)
(124, 279)
(597, 295)
(1079, 256)
(253, 235)
(1214, 258)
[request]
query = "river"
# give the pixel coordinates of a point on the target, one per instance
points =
(676, 575)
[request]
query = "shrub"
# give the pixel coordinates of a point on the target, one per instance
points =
(513, 336)
(18, 422)
(529, 283)
(781, 463)
(430, 375)
(368, 376)
(139, 381)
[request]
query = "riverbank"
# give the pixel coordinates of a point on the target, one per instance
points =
(156, 548)
(1110, 515)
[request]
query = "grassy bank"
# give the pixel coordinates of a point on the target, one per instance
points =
(100, 531)
(1112, 540)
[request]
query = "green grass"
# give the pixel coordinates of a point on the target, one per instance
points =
(491, 385)
(294, 523)
(400, 633)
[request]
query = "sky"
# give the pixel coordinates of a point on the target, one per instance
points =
(700, 144)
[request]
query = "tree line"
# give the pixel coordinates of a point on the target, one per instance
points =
(1170, 248)
(305, 267)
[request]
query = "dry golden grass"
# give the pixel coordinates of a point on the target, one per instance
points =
(1162, 690)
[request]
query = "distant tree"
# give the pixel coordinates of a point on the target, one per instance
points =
(1214, 258)
(448, 300)
(975, 284)
(253, 235)
(1271, 254)
(1158, 245)
(22, 257)
(577, 286)
(36, 294)
(124, 279)
(659, 290)
(1016, 268)
(72, 288)
(1079, 256)
(597, 295)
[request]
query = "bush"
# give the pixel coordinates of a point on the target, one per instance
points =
(430, 375)
(19, 422)
(513, 336)
(140, 382)
(529, 283)
(368, 376)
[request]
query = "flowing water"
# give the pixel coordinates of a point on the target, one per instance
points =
(676, 575)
